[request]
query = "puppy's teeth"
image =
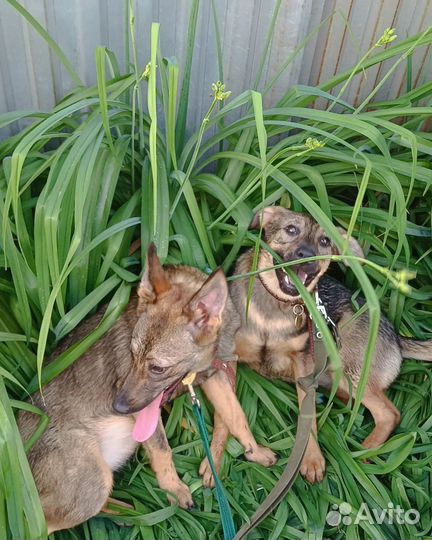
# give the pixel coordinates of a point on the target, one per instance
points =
(286, 279)
(303, 276)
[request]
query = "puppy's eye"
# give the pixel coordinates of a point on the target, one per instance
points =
(292, 230)
(157, 370)
(324, 241)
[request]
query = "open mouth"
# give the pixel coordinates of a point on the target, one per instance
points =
(285, 283)
(148, 418)
(168, 392)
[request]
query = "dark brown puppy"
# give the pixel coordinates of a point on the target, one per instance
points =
(179, 322)
(270, 342)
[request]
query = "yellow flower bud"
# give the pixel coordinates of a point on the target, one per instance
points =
(313, 144)
(146, 72)
(388, 36)
(219, 91)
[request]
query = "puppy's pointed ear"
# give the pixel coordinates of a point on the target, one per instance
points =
(206, 307)
(155, 280)
(354, 246)
(263, 216)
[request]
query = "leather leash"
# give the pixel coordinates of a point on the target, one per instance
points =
(309, 385)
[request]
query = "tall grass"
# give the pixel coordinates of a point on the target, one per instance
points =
(85, 180)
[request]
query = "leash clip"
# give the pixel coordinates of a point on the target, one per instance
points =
(188, 381)
(194, 397)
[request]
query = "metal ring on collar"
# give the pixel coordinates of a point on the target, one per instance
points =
(298, 309)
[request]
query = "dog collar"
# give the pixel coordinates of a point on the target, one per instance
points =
(297, 301)
(220, 364)
(226, 367)
(278, 298)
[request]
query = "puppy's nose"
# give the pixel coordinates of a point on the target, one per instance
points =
(122, 404)
(304, 251)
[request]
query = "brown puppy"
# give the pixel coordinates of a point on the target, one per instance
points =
(179, 322)
(270, 342)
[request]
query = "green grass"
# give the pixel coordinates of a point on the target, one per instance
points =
(85, 180)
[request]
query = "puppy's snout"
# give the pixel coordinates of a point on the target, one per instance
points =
(122, 404)
(304, 251)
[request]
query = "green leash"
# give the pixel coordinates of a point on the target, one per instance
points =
(228, 526)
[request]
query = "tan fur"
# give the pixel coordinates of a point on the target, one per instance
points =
(268, 342)
(179, 322)
(160, 455)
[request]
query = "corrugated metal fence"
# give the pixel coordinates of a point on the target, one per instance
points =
(31, 76)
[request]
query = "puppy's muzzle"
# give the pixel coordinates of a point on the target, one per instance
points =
(306, 272)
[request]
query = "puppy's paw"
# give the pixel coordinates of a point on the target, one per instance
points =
(372, 441)
(262, 455)
(179, 493)
(206, 472)
(313, 467)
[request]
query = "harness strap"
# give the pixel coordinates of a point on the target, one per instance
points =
(304, 426)
(228, 369)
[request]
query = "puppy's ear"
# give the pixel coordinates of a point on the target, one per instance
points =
(206, 307)
(352, 243)
(263, 216)
(155, 280)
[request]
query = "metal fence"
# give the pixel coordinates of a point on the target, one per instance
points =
(337, 32)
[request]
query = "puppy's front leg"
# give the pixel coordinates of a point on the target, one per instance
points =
(217, 447)
(160, 455)
(218, 444)
(219, 391)
(313, 465)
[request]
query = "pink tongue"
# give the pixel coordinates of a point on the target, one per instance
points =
(147, 420)
(303, 276)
